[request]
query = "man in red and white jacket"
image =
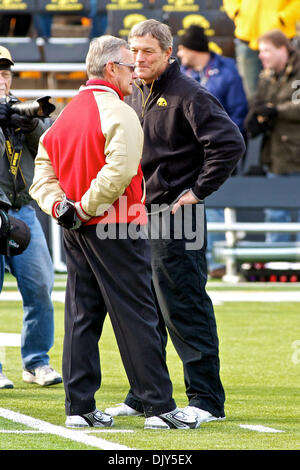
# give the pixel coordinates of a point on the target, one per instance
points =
(88, 176)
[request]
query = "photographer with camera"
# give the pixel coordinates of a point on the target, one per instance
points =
(33, 269)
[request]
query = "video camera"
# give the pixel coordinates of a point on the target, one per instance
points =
(14, 233)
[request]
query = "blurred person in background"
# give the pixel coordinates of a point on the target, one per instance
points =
(252, 18)
(274, 112)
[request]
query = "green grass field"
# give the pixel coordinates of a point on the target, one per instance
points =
(260, 370)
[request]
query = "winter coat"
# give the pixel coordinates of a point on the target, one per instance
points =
(220, 76)
(281, 145)
(190, 142)
(92, 154)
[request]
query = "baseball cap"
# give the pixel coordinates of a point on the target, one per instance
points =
(5, 55)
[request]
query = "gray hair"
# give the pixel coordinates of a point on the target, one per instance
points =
(102, 50)
(156, 29)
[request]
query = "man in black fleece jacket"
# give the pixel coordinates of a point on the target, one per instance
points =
(191, 147)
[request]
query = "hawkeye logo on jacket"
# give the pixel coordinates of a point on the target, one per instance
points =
(162, 102)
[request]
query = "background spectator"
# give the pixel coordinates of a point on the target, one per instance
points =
(274, 113)
(253, 18)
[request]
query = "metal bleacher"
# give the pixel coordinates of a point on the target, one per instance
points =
(49, 58)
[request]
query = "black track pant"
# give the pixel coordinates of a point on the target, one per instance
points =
(114, 276)
(179, 279)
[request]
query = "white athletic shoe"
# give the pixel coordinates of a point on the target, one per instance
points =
(176, 419)
(43, 375)
(121, 409)
(5, 382)
(203, 415)
(96, 419)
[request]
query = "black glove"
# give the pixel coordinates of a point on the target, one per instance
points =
(25, 123)
(253, 127)
(260, 119)
(4, 114)
(67, 215)
(267, 110)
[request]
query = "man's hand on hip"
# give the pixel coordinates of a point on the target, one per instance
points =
(186, 198)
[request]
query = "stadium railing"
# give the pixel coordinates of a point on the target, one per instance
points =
(246, 194)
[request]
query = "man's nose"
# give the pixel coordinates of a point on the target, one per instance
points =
(139, 56)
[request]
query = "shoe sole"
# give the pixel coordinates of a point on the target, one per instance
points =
(88, 426)
(80, 426)
(32, 380)
(157, 427)
(5, 387)
(111, 413)
(167, 428)
(213, 418)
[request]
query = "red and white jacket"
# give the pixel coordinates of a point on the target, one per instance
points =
(92, 154)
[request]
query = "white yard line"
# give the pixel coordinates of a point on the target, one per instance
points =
(217, 296)
(10, 431)
(27, 431)
(57, 296)
(256, 296)
(259, 428)
(74, 435)
(10, 339)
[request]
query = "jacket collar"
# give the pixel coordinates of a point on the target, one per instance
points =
(171, 71)
(102, 85)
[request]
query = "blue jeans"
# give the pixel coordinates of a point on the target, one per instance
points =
(34, 272)
(280, 215)
(43, 24)
(99, 20)
(249, 66)
(213, 215)
(2, 268)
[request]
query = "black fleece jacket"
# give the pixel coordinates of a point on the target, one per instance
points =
(190, 142)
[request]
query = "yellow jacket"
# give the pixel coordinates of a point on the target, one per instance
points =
(253, 18)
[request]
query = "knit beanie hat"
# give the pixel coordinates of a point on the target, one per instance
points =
(194, 38)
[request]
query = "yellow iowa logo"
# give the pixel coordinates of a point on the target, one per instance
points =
(199, 20)
(162, 102)
(130, 20)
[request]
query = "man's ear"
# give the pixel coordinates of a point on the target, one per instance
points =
(110, 69)
(169, 52)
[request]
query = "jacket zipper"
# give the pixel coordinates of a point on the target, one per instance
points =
(144, 102)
